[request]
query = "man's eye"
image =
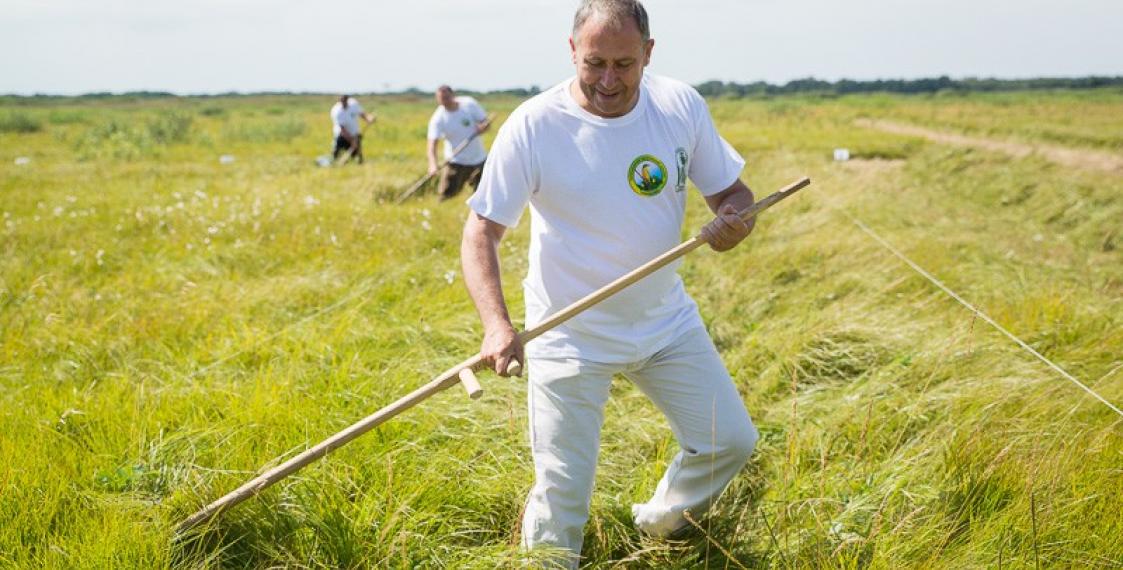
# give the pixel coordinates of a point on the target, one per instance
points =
(625, 65)
(596, 64)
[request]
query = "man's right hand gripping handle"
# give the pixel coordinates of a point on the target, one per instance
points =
(502, 350)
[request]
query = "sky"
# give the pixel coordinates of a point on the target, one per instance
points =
(213, 46)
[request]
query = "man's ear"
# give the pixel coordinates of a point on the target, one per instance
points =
(573, 51)
(647, 51)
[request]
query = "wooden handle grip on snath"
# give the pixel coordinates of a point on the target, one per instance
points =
(453, 375)
(471, 384)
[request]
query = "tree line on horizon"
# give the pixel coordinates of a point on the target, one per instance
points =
(930, 85)
(810, 86)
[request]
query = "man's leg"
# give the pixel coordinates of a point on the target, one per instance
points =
(358, 154)
(689, 383)
(341, 146)
(475, 174)
(453, 180)
(566, 400)
(444, 180)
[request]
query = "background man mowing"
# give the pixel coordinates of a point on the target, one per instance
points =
(456, 120)
(345, 115)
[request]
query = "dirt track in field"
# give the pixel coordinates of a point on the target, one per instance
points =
(1067, 156)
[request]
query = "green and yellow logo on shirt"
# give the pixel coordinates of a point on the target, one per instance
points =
(647, 175)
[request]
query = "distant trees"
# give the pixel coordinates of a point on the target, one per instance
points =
(808, 85)
(811, 85)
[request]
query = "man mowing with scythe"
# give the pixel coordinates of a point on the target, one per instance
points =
(345, 115)
(460, 121)
(603, 159)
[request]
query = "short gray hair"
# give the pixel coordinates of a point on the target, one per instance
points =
(615, 11)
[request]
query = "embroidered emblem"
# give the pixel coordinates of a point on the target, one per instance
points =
(647, 175)
(683, 160)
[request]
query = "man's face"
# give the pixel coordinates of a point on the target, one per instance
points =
(446, 99)
(610, 61)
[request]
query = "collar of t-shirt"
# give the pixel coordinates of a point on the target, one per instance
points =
(461, 107)
(626, 119)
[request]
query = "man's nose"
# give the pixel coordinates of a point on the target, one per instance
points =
(609, 78)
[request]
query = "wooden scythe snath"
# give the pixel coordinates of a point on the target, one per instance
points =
(463, 372)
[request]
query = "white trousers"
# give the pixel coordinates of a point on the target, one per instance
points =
(687, 382)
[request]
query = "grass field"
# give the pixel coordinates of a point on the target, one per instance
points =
(170, 324)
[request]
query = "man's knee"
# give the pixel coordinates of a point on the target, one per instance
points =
(739, 442)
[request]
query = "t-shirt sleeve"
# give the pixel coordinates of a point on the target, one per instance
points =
(508, 178)
(714, 164)
(355, 108)
(434, 127)
(477, 111)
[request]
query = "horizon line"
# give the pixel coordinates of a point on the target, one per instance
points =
(414, 90)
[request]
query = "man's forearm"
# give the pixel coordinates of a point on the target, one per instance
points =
(431, 152)
(479, 257)
(739, 196)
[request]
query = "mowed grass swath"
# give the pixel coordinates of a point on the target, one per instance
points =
(170, 324)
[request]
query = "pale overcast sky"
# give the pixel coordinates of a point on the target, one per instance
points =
(208, 46)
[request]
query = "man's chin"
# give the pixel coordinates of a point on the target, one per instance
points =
(610, 106)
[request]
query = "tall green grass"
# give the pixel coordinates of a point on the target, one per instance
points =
(17, 122)
(283, 130)
(169, 325)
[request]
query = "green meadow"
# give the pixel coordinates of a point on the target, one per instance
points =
(171, 323)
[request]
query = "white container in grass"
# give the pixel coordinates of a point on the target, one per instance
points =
(226, 159)
(22, 161)
(841, 154)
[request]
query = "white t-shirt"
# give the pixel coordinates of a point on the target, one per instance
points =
(606, 195)
(456, 127)
(348, 117)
